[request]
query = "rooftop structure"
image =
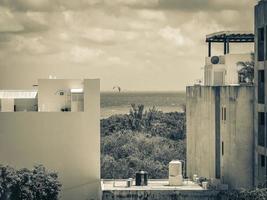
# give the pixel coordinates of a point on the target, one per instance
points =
(224, 69)
(153, 184)
(227, 37)
(156, 189)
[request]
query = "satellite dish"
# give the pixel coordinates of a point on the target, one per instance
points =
(215, 60)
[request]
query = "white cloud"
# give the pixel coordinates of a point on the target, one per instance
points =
(8, 23)
(33, 45)
(173, 35)
(83, 54)
(151, 15)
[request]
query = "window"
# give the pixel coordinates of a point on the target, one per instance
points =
(222, 148)
(223, 113)
(261, 44)
(266, 43)
(261, 87)
(262, 160)
(261, 127)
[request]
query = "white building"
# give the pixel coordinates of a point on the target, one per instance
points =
(55, 124)
(220, 118)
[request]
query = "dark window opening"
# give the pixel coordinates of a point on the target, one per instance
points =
(261, 44)
(222, 148)
(223, 113)
(266, 43)
(261, 88)
(262, 161)
(261, 127)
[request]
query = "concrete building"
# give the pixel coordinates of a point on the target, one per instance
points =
(260, 93)
(220, 118)
(55, 124)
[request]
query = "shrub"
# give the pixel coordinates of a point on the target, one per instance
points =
(25, 184)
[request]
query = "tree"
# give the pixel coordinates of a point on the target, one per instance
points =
(246, 73)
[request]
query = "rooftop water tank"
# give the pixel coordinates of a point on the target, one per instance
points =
(175, 173)
(141, 178)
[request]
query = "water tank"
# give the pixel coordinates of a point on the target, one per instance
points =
(175, 173)
(141, 178)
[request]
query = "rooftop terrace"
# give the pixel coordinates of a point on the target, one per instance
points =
(155, 184)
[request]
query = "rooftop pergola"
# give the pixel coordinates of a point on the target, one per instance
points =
(227, 37)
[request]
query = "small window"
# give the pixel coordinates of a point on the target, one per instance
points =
(261, 40)
(261, 127)
(262, 161)
(261, 87)
(266, 43)
(223, 113)
(222, 148)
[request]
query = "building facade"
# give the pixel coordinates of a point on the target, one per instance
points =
(57, 124)
(260, 75)
(219, 118)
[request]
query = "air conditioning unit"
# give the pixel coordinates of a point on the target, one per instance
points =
(215, 60)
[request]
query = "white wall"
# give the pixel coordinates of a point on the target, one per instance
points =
(7, 105)
(49, 99)
(231, 60)
(68, 143)
(228, 67)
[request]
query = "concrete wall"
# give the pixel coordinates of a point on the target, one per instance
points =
(200, 120)
(260, 173)
(237, 136)
(228, 68)
(68, 143)
(206, 131)
(49, 99)
(159, 195)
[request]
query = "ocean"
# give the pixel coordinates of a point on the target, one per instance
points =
(119, 103)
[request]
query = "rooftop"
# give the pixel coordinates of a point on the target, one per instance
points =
(231, 36)
(155, 184)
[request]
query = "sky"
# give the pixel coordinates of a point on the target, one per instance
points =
(140, 45)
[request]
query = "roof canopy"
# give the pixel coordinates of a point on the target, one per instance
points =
(231, 36)
(18, 94)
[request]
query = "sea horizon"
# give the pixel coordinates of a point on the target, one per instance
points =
(113, 103)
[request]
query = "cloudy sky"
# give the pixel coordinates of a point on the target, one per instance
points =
(137, 44)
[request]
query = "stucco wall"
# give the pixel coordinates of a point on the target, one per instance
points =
(237, 135)
(49, 99)
(68, 143)
(200, 120)
(236, 166)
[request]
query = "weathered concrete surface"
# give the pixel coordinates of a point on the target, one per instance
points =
(260, 171)
(156, 190)
(207, 132)
(159, 195)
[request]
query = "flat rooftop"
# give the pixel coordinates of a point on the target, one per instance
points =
(153, 184)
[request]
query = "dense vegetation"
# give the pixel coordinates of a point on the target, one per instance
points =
(35, 184)
(141, 140)
(254, 194)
